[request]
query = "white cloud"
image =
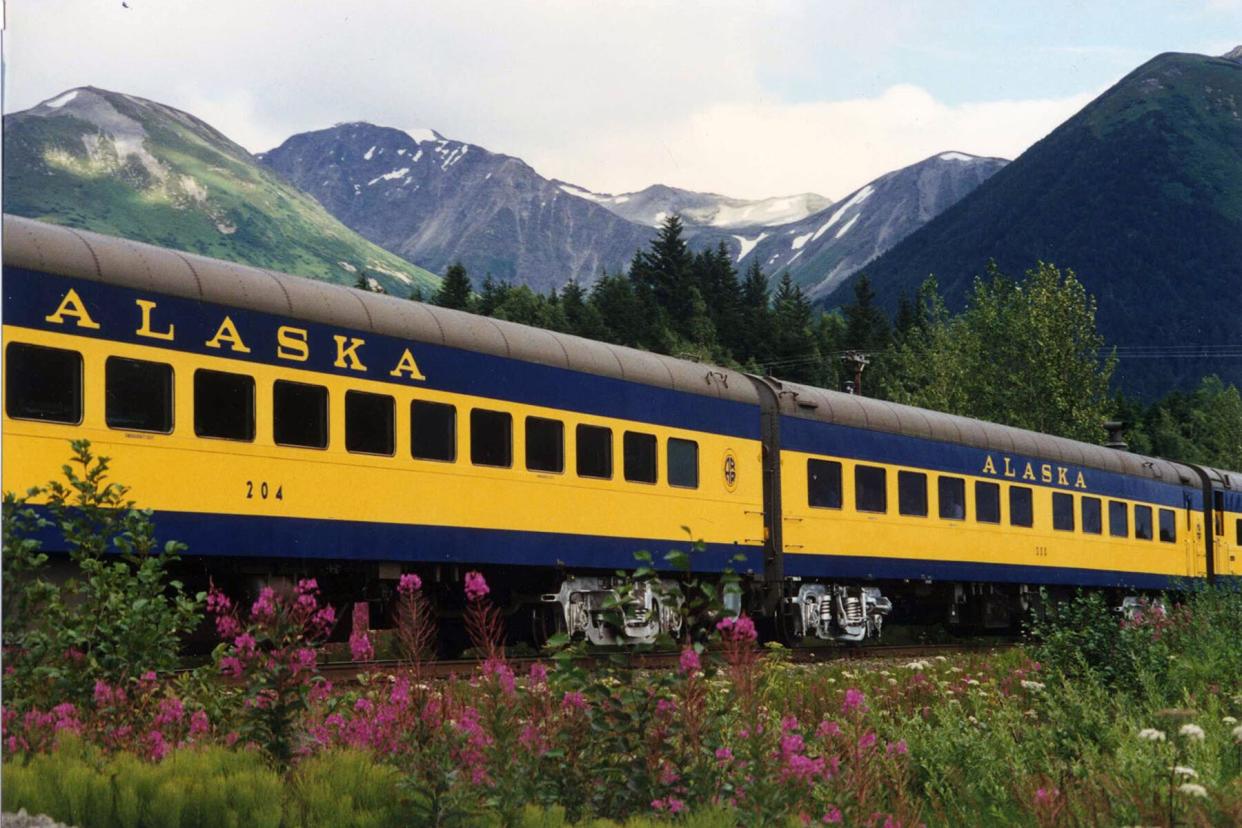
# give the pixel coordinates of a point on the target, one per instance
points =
(832, 147)
(734, 96)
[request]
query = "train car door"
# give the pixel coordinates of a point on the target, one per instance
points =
(1226, 528)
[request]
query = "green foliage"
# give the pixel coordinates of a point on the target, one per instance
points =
(345, 787)
(1203, 426)
(1023, 353)
(455, 290)
(195, 787)
(119, 615)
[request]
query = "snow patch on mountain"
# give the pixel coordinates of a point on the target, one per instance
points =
(369, 154)
(61, 100)
(845, 228)
(955, 156)
(797, 243)
(389, 176)
(423, 135)
(748, 245)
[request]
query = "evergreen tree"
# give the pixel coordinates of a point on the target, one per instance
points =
(666, 274)
(455, 290)
(867, 327)
(416, 294)
(795, 349)
(754, 346)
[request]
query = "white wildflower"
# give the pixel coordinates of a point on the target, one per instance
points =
(1191, 789)
(941, 658)
(885, 673)
(1032, 685)
(1237, 734)
(1192, 731)
(1229, 720)
(973, 682)
(918, 665)
(893, 682)
(955, 669)
(1151, 734)
(1182, 770)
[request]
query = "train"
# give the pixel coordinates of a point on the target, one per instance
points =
(281, 426)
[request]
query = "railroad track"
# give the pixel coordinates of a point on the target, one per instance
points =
(346, 671)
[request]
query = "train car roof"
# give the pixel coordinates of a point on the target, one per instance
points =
(67, 251)
(813, 403)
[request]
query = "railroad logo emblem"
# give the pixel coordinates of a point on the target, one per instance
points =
(730, 470)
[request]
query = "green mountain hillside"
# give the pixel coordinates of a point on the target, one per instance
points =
(1140, 193)
(130, 167)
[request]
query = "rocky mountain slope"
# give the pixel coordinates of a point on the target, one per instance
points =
(130, 167)
(654, 204)
(1140, 194)
(436, 201)
(823, 249)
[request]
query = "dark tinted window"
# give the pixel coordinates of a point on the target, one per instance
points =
(299, 414)
(223, 405)
(1063, 511)
(1021, 506)
(952, 492)
(823, 483)
(545, 445)
(594, 451)
(491, 438)
(870, 493)
(43, 383)
(912, 493)
(1239, 530)
(433, 431)
(1142, 522)
(987, 502)
(139, 395)
(1092, 519)
(640, 457)
(683, 463)
(1118, 519)
(1168, 526)
(370, 423)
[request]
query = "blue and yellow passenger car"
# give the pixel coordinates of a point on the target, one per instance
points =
(278, 424)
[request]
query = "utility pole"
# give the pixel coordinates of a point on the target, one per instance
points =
(855, 362)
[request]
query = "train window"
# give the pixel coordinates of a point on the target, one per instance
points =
(952, 491)
(1021, 506)
(545, 445)
(223, 405)
(870, 489)
(43, 383)
(433, 431)
(1239, 530)
(1063, 511)
(639, 453)
(823, 484)
(138, 395)
(1118, 519)
(1142, 522)
(594, 451)
(491, 438)
(912, 493)
(683, 463)
(1168, 526)
(1092, 519)
(299, 414)
(370, 423)
(987, 502)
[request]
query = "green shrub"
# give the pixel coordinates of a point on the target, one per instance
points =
(191, 788)
(345, 787)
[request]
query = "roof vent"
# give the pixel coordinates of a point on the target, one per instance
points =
(1116, 437)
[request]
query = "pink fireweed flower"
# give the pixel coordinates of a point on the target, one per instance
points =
(476, 586)
(172, 711)
(502, 673)
(147, 678)
(320, 691)
(304, 659)
(737, 629)
(689, 661)
(675, 806)
(306, 604)
(264, 608)
(306, 586)
(409, 584)
(227, 627)
(828, 729)
(854, 700)
(666, 707)
(789, 723)
(156, 746)
(832, 816)
(231, 666)
(217, 602)
(324, 620)
(724, 755)
(867, 740)
(103, 694)
(246, 645)
(897, 748)
(538, 674)
(199, 723)
(573, 700)
(360, 648)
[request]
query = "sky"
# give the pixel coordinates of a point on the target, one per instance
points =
(745, 98)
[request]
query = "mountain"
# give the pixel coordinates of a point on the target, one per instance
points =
(130, 167)
(657, 202)
(823, 249)
(436, 201)
(1140, 193)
